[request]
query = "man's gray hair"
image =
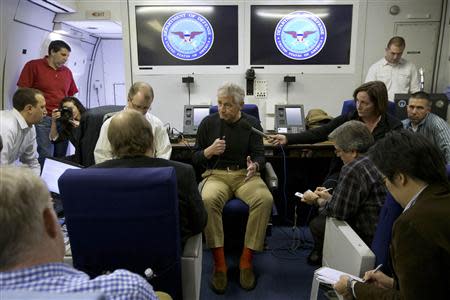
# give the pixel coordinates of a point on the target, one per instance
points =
(232, 90)
(23, 198)
(352, 135)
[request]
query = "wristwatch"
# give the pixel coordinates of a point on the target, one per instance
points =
(351, 287)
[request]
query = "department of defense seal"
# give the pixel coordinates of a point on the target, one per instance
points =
(187, 35)
(300, 35)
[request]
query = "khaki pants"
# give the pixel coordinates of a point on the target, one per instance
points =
(163, 296)
(219, 186)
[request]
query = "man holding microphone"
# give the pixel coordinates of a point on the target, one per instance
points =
(233, 155)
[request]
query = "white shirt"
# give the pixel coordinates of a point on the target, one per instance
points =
(19, 141)
(414, 198)
(401, 78)
(161, 142)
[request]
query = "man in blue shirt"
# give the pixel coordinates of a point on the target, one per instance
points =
(32, 246)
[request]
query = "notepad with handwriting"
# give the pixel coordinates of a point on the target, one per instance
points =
(331, 276)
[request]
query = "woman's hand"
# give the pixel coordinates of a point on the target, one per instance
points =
(56, 114)
(74, 123)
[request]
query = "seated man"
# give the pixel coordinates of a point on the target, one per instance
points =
(233, 155)
(32, 245)
(415, 173)
(17, 128)
(140, 98)
(359, 193)
(420, 119)
(132, 141)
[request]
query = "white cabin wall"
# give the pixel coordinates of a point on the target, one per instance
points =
(443, 79)
(381, 27)
(324, 91)
(327, 91)
(27, 28)
(108, 74)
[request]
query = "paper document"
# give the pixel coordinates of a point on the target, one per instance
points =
(331, 276)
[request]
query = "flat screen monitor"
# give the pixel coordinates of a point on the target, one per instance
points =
(318, 35)
(193, 116)
(289, 118)
(182, 38)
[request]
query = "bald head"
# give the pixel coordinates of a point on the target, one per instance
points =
(140, 97)
(130, 134)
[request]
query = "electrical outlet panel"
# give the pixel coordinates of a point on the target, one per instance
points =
(260, 89)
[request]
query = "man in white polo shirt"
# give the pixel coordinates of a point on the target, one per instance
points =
(399, 76)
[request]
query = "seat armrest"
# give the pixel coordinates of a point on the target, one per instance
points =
(193, 246)
(270, 177)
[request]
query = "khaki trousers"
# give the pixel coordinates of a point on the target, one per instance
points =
(219, 186)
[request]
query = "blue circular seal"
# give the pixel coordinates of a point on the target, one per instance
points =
(187, 35)
(300, 35)
(402, 103)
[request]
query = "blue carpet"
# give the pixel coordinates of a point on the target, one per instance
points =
(281, 270)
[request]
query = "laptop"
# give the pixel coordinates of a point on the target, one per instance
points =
(52, 170)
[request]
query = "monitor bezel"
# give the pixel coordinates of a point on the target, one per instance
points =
(189, 69)
(304, 69)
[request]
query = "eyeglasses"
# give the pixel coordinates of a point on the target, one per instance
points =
(339, 151)
(140, 107)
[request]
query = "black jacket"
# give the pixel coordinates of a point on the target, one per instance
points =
(320, 134)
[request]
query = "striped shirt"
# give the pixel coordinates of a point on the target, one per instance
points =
(61, 278)
(436, 129)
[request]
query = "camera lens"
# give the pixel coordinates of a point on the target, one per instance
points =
(66, 113)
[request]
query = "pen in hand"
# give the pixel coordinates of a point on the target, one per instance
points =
(375, 270)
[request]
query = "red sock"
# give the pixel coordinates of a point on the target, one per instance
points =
(219, 259)
(246, 258)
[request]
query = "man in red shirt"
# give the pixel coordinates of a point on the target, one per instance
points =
(55, 81)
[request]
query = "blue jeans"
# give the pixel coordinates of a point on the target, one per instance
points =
(45, 147)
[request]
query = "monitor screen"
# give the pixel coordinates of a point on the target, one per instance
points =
(300, 34)
(199, 113)
(188, 35)
(294, 116)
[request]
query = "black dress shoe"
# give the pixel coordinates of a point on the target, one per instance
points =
(315, 258)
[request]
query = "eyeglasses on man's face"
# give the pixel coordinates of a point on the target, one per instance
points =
(143, 108)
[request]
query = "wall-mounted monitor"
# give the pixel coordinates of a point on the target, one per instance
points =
(313, 38)
(193, 116)
(289, 118)
(169, 38)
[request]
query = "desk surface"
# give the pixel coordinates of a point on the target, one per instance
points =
(183, 150)
(322, 145)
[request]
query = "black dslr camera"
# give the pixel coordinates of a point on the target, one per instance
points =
(66, 114)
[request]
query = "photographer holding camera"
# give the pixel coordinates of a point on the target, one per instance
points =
(66, 121)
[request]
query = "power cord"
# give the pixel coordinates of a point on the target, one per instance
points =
(297, 237)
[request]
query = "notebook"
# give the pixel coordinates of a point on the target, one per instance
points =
(52, 170)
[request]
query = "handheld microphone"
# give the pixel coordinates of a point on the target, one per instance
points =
(422, 81)
(149, 274)
(247, 125)
(259, 132)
